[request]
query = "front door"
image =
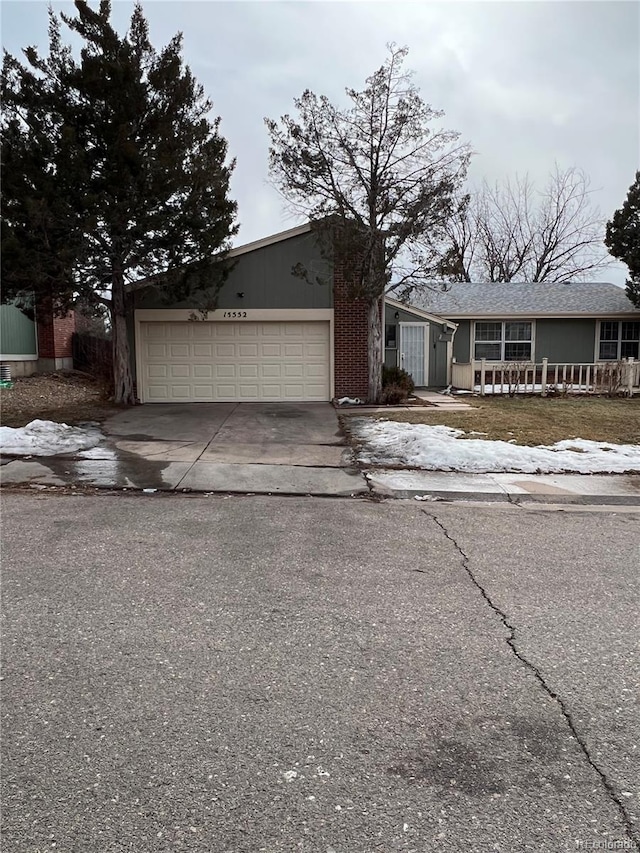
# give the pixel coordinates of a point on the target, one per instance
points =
(413, 352)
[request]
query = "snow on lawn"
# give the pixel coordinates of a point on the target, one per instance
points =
(45, 438)
(441, 448)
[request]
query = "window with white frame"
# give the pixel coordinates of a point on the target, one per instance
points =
(619, 339)
(502, 340)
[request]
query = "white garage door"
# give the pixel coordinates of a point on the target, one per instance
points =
(202, 361)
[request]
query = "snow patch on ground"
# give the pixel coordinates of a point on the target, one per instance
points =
(46, 438)
(441, 448)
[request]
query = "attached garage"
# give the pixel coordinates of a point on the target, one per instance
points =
(265, 355)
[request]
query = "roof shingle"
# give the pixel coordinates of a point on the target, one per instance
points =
(515, 298)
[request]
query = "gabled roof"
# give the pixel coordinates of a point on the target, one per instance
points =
(419, 312)
(512, 299)
(268, 241)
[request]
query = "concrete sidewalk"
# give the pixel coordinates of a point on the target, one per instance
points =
(558, 488)
(104, 468)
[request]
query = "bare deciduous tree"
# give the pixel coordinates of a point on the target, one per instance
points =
(513, 232)
(373, 177)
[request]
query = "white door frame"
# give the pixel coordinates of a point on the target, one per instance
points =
(425, 327)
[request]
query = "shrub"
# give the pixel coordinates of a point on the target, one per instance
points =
(396, 376)
(392, 395)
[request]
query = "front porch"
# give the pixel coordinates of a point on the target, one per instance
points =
(492, 377)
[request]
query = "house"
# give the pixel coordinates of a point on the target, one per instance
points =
(575, 323)
(276, 337)
(35, 341)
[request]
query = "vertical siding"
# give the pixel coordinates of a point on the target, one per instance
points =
(17, 332)
(462, 342)
(265, 279)
(391, 358)
(437, 349)
(565, 340)
(437, 357)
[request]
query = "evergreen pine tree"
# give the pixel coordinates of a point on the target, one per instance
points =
(623, 238)
(112, 172)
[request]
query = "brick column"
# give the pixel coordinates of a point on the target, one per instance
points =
(54, 338)
(351, 331)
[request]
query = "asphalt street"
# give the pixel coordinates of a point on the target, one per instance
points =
(234, 674)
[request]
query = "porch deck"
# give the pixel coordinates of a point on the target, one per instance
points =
(490, 377)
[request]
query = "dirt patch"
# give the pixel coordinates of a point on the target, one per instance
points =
(69, 397)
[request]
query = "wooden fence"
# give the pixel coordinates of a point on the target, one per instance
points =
(605, 377)
(92, 354)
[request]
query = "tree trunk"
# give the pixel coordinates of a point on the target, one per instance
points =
(122, 379)
(375, 351)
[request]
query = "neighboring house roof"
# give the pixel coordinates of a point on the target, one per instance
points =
(513, 299)
(418, 312)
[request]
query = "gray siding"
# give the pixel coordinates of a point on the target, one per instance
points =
(264, 277)
(437, 357)
(390, 357)
(565, 340)
(462, 342)
(17, 332)
(437, 348)
(561, 340)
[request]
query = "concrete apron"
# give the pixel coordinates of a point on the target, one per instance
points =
(270, 448)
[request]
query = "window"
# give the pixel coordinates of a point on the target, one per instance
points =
(390, 339)
(503, 340)
(619, 339)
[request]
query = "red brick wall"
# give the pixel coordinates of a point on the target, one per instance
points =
(351, 331)
(54, 333)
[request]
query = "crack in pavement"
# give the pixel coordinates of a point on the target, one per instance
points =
(511, 642)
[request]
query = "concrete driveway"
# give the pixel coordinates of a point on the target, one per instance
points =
(294, 448)
(259, 433)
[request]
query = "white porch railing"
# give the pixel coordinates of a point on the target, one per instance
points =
(492, 377)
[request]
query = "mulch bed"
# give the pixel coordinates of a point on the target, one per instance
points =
(69, 397)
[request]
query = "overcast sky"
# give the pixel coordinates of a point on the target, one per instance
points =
(526, 83)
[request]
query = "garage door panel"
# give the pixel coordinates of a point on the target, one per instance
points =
(180, 371)
(203, 371)
(156, 350)
(314, 351)
(158, 371)
(179, 351)
(316, 371)
(271, 351)
(179, 392)
(225, 371)
(271, 371)
(271, 330)
(203, 350)
(225, 351)
(157, 392)
(209, 361)
(293, 370)
(200, 331)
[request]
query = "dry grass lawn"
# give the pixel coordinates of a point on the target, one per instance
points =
(537, 420)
